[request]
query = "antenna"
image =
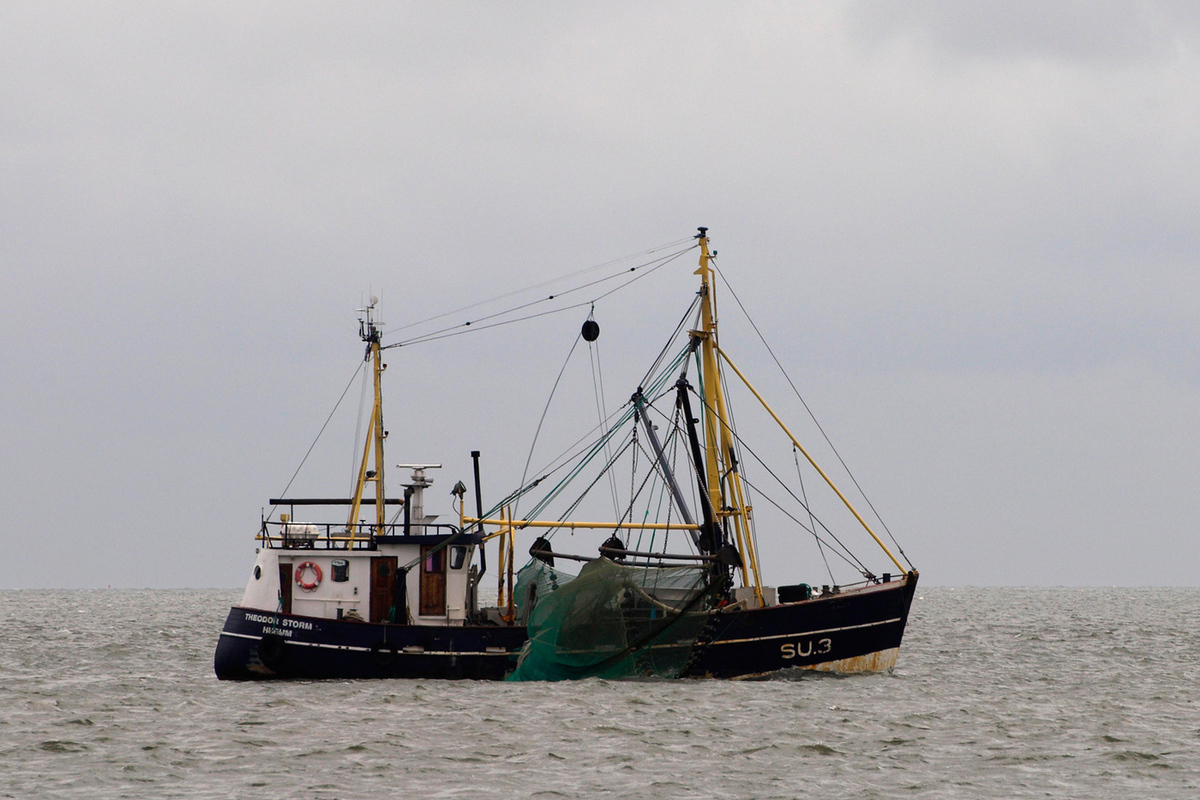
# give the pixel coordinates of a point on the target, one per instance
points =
(368, 325)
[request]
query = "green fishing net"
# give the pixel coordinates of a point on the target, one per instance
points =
(611, 620)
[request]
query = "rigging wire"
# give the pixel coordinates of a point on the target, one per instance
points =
(590, 448)
(549, 282)
(812, 416)
(362, 401)
(843, 553)
(673, 441)
(637, 447)
(682, 321)
(624, 415)
(578, 459)
(812, 524)
(562, 485)
(567, 457)
(470, 325)
(675, 437)
(604, 445)
(583, 460)
(751, 528)
(787, 489)
(650, 473)
(584, 457)
(466, 327)
(570, 455)
(665, 260)
(545, 410)
(314, 442)
(847, 556)
(662, 493)
(601, 407)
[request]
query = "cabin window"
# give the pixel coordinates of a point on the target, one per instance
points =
(433, 561)
(341, 570)
(458, 555)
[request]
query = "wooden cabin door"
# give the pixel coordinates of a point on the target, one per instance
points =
(433, 582)
(383, 587)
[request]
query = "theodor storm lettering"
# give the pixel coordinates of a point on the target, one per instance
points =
(284, 621)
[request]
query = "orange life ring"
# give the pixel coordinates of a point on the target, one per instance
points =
(306, 586)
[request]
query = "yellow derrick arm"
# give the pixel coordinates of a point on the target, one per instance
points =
(351, 527)
(816, 466)
(740, 513)
(504, 570)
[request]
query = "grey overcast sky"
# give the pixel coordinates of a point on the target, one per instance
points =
(969, 230)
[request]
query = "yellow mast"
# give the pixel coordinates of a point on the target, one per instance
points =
(375, 433)
(725, 493)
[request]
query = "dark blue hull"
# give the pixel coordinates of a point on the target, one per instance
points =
(257, 645)
(859, 631)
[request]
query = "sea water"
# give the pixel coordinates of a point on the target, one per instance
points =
(1073, 693)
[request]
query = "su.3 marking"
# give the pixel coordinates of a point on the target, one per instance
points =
(805, 649)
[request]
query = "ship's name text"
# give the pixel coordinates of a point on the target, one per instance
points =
(286, 623)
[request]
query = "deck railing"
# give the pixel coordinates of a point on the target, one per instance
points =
(337, 536)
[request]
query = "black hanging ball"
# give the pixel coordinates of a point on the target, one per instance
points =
(613, 549)
(591, 330)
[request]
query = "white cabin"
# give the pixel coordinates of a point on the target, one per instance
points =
(325, 571)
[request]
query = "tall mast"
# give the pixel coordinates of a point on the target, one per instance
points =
(708, 361)
(725, 491)
(370, 333)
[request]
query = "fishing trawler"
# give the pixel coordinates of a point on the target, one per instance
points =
(401, 599)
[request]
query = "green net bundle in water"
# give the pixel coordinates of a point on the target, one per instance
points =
(611, 620)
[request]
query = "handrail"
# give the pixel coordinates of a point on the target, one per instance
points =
(330, 501)
(336, 536)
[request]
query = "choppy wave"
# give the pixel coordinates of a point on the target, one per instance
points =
(998, 693)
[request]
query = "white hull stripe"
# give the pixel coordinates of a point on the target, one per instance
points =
(399, 651)
(506, 653)
(805, 633)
